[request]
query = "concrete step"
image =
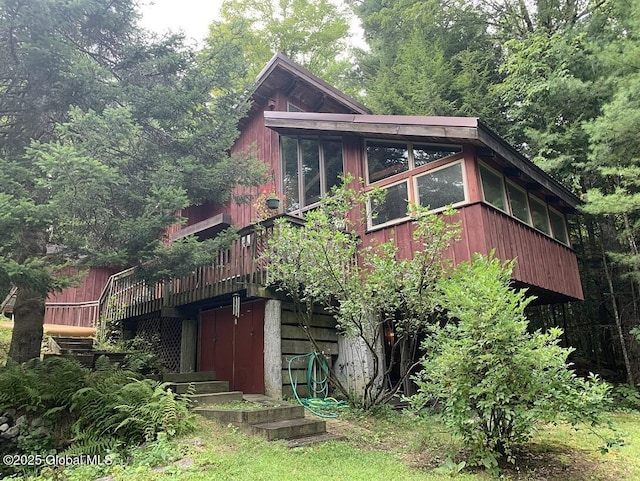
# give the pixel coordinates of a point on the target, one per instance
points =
(200, 387)
(289, 429)
(315, 439)
(245, 417)
(189, 376)
(216, 398)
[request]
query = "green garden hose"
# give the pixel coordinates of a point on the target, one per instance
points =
(318, 401)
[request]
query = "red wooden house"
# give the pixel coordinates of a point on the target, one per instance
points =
(309, 133)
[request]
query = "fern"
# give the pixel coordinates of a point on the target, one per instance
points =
(92, 444)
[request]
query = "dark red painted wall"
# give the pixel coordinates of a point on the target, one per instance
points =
(90, 287)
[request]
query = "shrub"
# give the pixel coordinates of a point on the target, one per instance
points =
(494, 380)
(63, 407)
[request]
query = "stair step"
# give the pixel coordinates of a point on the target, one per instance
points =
(314, 439)
(216, 398)
(72, 339)
(78, 346)
(189, 376)
(245, 417)
(200, 387)
(289, 429)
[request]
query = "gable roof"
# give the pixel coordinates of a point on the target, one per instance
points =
(457, 130)
(283, 74)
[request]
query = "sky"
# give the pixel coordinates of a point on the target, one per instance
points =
(189, 16)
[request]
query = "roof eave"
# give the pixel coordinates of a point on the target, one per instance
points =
(456, 129)
(281, 61)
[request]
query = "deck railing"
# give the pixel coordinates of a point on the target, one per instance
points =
(127, 295)
(80, 314)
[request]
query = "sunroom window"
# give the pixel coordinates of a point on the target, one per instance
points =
(523, 206)
(385, 158)
(519, 203)
(310, 168)
(424, 154)
(540, 215)
(441, 187)
(493, 188)
(559, 226)
(393, 207)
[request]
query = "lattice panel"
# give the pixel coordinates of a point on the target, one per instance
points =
(168, 332)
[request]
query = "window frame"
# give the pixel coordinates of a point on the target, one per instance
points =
(526, 196)
(499, 174)
(460, 163)
(567, 240)
(534, 199)
(302, 208)
(397, 220)
(411, 163)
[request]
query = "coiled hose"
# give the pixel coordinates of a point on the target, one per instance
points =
(318, 401)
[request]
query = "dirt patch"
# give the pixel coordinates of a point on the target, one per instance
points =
(562, 463)
(535, 463)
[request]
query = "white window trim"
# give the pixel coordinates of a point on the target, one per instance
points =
(505, 198)
(410, 155)
(464, 185)
(397, 220)
(390, 143)
(293, 108)
(412, 161)
(566, 226)
(533, 198)
(526, 196)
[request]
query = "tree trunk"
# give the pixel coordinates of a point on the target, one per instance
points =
(616, 314)
(28, 325)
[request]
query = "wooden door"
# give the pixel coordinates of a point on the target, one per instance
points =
(234, 349)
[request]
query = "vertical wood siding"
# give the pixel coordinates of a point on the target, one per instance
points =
(541, 261)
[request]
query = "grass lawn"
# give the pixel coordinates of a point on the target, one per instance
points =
(387, 448)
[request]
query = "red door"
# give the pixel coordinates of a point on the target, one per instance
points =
(234, 349)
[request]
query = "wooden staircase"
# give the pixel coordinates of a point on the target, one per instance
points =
(80, 349)
(253, 413)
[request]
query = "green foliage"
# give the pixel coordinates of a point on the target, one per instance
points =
(493, 379)
(365, 287)
(112, 132)
(75, 411)
(625, 398)
(313, 33)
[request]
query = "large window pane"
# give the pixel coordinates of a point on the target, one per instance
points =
(290, 173)
(394, 206)
(386, 159)
(423, 154)
(311, 170)
(540, 215)
(441, 187)
(332, 162)
(559, 226)
(518, 203)
(493, 188)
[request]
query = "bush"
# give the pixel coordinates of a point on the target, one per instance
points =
(493, 379)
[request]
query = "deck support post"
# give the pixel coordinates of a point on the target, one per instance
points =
(188, 345)
(273, 348)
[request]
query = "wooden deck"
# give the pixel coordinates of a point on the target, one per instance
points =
(126, 295)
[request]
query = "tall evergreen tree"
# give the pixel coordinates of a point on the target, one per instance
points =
(429, 58)
(106, 134)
